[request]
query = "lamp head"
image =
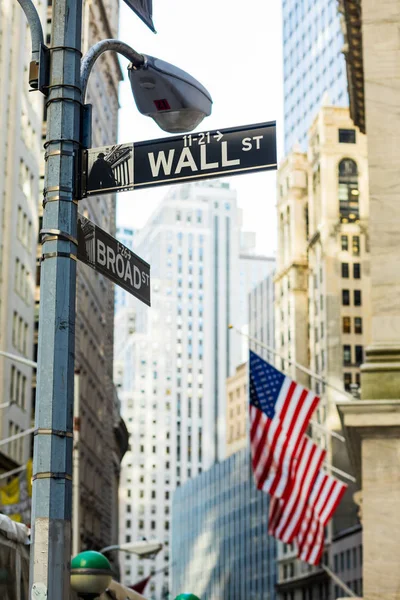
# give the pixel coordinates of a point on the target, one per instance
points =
(90, 574)
(174, 99)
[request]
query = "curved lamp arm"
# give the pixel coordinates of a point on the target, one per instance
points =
(93, 54)
(35, 26)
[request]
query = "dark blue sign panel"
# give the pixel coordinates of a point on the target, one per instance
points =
(188, 157)
(205, 155)
(105, 254)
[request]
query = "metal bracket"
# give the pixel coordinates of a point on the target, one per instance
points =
(58, 199)
(58, 432)
(39, 71)
(49, 475)
(59, 153)
(57, 255)
(55, 234)
(86, 125)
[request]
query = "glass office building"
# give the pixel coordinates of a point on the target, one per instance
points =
(220, 546)
(313, 64)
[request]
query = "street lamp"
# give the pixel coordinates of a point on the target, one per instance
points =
(174, 99)
(62, 76)
(143, 549)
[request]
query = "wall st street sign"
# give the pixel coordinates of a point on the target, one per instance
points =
(175, 159)
(105, 254)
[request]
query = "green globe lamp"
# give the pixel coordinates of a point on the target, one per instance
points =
(187, 597)
(90, 574)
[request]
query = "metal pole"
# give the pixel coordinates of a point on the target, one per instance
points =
(35, 27)
(339, 582)
(137, 60)
(24, 361)
(52, 463)
(76, 530)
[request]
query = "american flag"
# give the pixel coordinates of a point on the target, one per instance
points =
(286, 515)
(280, 411)
(323, 501)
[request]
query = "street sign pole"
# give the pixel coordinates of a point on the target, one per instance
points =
(52, 463)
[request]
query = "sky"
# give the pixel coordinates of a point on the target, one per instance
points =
(234, 49)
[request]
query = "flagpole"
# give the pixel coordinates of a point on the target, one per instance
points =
(326, 430)
(17, 436)
(24, 361)
(294, 363)
(338, 581)
(13, 472)
(340, 472)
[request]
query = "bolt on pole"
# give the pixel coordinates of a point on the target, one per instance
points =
(53, 443)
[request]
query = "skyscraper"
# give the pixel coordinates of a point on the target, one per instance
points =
(313, 64)
(20, 156)
(172, 376)
(220, 542)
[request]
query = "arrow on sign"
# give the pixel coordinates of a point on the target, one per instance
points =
(218, 136)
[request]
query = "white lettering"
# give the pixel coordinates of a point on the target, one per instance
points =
(258, 138)
(225, 161)
(128, 272)
(110, 259)
(186, 160)
(161, 161)
(145, 278)
(101, 253)
(246, 142)
(120, 265)
(204, 165)
(136, 277)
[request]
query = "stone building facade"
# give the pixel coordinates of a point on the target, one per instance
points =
(322, 308)
(21, 115)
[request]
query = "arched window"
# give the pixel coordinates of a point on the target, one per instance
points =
(348, 191)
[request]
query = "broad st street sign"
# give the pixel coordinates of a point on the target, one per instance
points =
(108, 256)
(188, 157)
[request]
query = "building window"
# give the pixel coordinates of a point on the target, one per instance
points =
(346, 354)
(357, 325)
(348, 191)
(357, 271)
(347, 136)
(345, 242)
(357, 297)
(346, 325)
(359, 355)
(356, 245)
(345, 270)
(346, 297)
(347, 383)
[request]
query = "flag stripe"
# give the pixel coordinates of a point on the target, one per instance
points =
(309, 460)
(323, 501)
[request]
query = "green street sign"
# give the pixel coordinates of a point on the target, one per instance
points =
(187, 597)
